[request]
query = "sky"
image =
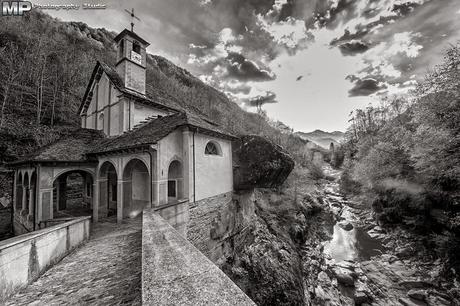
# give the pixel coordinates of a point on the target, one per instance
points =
(309, 63)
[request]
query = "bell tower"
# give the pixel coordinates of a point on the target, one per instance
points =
(131, 60)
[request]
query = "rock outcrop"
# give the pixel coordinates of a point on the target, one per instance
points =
(266, 263)
(259, 163)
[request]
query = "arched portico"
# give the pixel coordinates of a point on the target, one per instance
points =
(136, 188)
(72, 194)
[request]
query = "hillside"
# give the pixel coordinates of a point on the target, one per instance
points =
(322, 138)
(41, 91)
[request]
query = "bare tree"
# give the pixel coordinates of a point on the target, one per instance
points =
(12, 66)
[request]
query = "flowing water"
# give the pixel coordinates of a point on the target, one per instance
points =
(349, 242)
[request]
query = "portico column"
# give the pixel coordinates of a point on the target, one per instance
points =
(188, 163)
(154, 182)
(119, 201)
(96, 201)
(15, 191)
(31, 200)
(24, 198)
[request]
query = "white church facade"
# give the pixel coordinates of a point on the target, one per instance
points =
(135, 149)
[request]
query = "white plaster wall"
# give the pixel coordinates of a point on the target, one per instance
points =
(116, 124)
(213, 173)
(169, 149)
(141, 112)
(139, 190)
(105, 101)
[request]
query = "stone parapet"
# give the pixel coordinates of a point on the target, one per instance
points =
(24, 258)
(174, 272)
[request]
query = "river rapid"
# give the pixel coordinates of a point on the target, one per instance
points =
(353, 261)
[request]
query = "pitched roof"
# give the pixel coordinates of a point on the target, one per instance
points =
(154, 97)
(156, 129)
(72, 147)
(130, 33)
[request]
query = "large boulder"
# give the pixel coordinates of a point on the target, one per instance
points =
(259, 163)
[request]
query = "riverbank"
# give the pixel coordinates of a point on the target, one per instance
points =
(350, 260)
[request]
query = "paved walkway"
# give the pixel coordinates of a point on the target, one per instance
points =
(104, 271)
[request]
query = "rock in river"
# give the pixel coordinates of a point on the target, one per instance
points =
(360, 297)
(345, 279)
(346, 226)
(417, 294)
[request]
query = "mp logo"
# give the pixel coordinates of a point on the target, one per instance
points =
(15, 8)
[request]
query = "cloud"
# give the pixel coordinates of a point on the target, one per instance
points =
(353, 48)
(235, 87)
(289, 33)
(258, 101)
(239, 67)
(365, 87)
(247, 48)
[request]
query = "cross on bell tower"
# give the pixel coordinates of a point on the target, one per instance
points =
(132, 18)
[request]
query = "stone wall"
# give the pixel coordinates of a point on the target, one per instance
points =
(174, 272)
(6, 226)
(24, 258)
(176, 215)
(213, 220)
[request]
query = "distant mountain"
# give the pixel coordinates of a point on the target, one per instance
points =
(322, 138)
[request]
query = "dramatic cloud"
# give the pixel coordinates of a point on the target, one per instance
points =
(353, 48)
(256, 50)
(258, 101)
(365, 87)
(241, 68)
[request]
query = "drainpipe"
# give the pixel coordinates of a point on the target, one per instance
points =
(194, 173)
(151, 177)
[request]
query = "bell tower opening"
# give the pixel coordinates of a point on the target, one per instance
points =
(132, 60)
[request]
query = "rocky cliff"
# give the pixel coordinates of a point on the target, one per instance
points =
(259, 163)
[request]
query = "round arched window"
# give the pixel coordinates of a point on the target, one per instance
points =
(212, 149)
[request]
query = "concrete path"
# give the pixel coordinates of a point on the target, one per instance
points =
(104, 271)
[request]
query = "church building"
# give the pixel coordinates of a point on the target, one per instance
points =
(136, 149)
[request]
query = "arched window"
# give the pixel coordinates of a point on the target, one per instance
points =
(212, 148)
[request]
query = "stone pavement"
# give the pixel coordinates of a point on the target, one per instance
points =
(104, 271)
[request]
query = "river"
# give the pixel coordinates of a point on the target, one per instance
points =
(358, 263)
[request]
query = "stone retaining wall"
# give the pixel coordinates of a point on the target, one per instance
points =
(6, 222)
(174, 272)
(24, 258)
(203, 216)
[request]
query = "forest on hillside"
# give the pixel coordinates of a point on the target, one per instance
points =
(403, 156)
(47, 64)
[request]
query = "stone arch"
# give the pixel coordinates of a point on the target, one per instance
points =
(75, 169)
(175, 181)
(136, 187)
(19, 181)
(108, 189)
(136, 159)
(72, 193)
